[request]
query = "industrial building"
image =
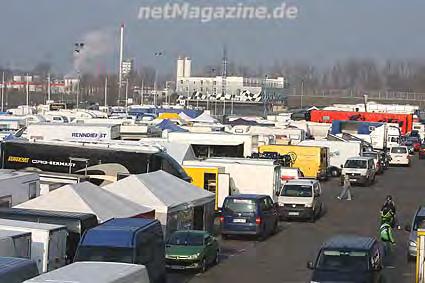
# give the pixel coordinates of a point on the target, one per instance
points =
(235, 88)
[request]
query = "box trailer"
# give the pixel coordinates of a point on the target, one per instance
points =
(15, 244)
(375, 133)
(17, 187)
(73, 132)
(48, 242)
(311, 160)
(244, 175)
(339, 152)
(17, 270)
(211, 178)
(99, 272)
(75, 223)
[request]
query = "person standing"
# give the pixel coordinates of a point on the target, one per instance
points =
(345, 189)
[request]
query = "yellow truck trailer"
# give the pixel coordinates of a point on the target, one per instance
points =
(210, 178)
(312, 161)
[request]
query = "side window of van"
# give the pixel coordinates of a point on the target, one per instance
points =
(269, 203)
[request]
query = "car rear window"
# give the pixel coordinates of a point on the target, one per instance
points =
(239, 205)
(398, 150)
(343, 260)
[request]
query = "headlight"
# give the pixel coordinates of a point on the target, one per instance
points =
(412, 243)
(194, 256)
(281, 204)
(308, 205)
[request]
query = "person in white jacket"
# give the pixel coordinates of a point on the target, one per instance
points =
(346, 189)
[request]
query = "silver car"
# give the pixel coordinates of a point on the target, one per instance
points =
(418, 222)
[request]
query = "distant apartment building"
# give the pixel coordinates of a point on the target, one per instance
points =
(237, 88)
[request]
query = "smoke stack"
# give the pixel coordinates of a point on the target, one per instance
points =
(180, 67)
(187, 67)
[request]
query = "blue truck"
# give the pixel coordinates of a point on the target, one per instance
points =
(127, 240)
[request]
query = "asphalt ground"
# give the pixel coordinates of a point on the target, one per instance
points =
(283, 257)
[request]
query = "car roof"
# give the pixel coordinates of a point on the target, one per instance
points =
(197, 232)
(360, 158)
(301, 182)
(349, 242)
(247, 196)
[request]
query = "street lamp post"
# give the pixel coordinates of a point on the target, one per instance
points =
(77, 50)
(156, 54)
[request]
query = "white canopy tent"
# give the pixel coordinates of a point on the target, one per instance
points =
(204, 118)
(177, 204)
(88, 198)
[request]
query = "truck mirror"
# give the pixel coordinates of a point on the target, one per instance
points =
(342, 166)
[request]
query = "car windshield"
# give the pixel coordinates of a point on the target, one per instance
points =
(186, 239)
(296, 191)
(343, 260)
(355, 163)
(94, 253)
(419, 223)
(398, 150)
(239, 205)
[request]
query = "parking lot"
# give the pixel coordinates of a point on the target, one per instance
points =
(283, 257)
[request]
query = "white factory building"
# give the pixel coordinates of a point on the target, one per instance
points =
(237, 88)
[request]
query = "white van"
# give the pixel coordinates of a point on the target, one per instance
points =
(300, 199)
(399, 155)
(99, 272)
(360, 170)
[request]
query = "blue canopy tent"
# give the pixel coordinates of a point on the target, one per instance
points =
(170, 126)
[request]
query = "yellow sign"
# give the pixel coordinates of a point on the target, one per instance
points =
(18, 159)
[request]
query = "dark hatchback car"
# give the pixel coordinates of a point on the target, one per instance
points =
(249, 214)
(348, 258)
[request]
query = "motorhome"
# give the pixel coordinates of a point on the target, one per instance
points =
(102, 162)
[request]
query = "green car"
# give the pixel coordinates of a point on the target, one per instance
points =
(191, 249)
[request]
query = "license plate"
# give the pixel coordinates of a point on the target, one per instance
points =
(291, 213)
(352, 180)
(239, 220)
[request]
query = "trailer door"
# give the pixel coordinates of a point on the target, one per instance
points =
(223, 189)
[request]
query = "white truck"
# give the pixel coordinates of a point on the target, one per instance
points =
(95, 272)
(15, 244)
(216, 144)
(73, 132)
(48, 246)
(339, 152)
(17, 187)
(247, 176)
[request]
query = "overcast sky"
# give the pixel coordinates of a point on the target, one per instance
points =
(33, 31)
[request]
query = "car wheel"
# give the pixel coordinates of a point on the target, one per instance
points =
(275, 227)
(335, 172)
(203, 265)
(217, 258)
(313, 217)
